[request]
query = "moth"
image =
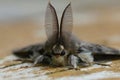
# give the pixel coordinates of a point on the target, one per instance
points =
(62, 48)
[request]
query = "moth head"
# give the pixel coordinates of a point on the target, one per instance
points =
(58, 49)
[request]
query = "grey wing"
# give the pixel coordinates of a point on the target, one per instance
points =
(51, 24)
(29, 51)
(99, 49)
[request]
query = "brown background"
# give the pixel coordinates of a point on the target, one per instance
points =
(94, 21)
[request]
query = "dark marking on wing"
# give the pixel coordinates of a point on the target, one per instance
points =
(99, 49)
(28, 51)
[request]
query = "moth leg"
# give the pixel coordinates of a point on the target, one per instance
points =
(102, 64)
(86, 57)
(73, 61)
(39, 59)
(24, 60)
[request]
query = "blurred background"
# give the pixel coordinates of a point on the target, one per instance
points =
(22, 22)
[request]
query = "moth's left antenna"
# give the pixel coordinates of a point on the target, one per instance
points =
(49, 1)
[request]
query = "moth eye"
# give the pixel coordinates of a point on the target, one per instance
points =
(62, 53)
(53, 52)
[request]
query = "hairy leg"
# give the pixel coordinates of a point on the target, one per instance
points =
(73, 61)
(87, 57)
(39, 59)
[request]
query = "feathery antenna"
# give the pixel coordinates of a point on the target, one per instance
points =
(49, 1)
